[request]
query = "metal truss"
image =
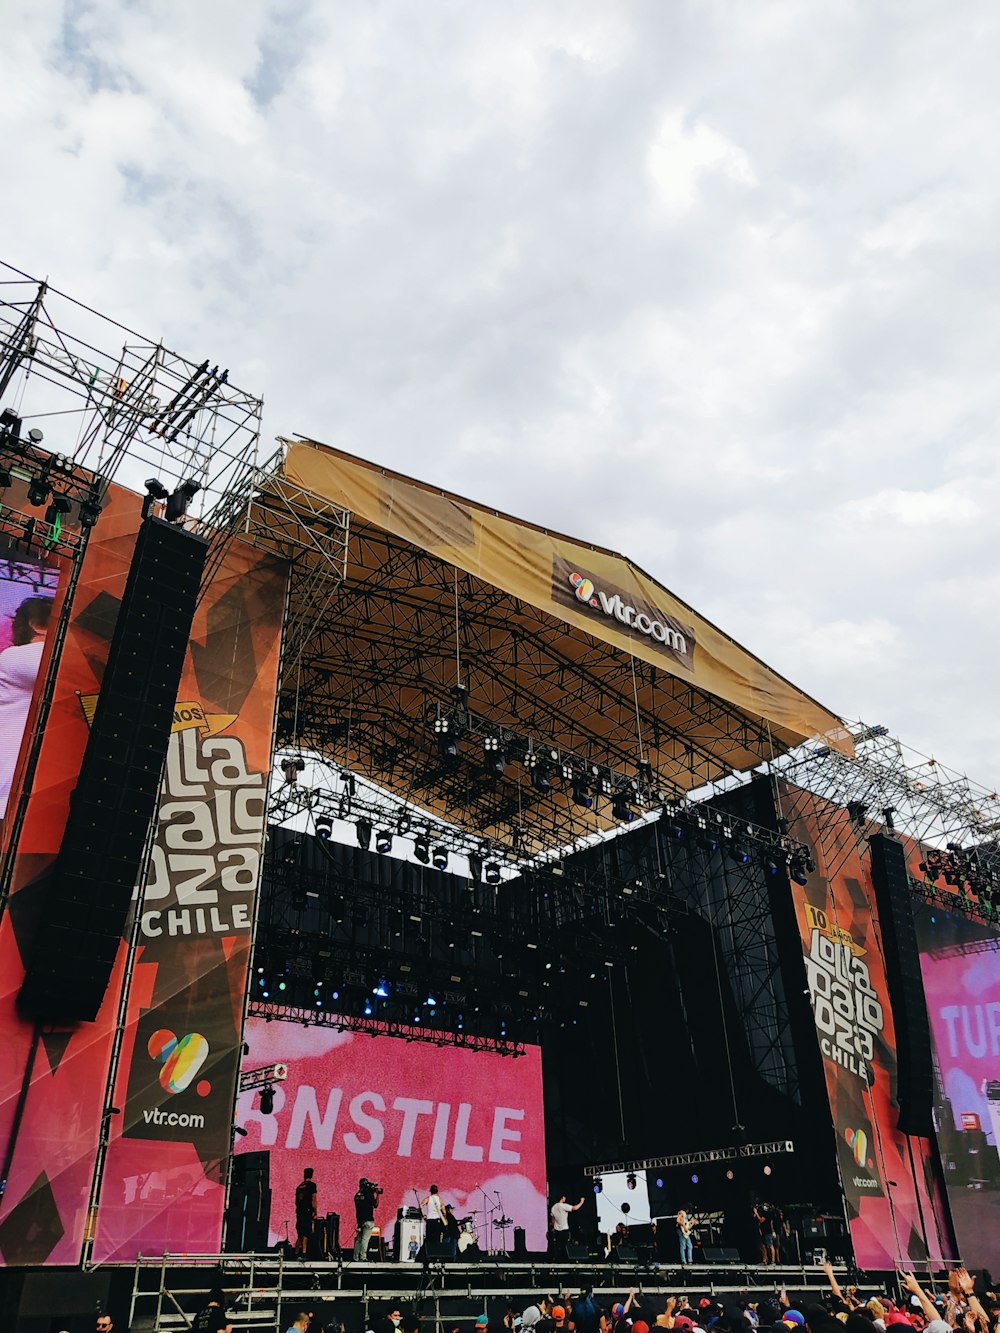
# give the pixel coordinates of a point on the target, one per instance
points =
(263, 1077)
(733, 1154)
(119, 406)
(889, 785)
(378, 1027)
(385, 651)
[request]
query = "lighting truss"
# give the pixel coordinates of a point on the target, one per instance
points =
(263, 1077)
(378, 1027)
(927, 802)
(120, 406)
(733, 1154)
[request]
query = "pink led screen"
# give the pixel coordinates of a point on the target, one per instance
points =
(406, 1115)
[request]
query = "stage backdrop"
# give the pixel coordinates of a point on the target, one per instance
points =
(960, 960)
(846, 977)
(164, 1178)
(406, 1115)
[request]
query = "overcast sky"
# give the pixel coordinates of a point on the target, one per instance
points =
(715, 284)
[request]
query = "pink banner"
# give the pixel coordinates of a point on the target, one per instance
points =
(406, 1115)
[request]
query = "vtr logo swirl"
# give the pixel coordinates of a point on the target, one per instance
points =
(664, 631)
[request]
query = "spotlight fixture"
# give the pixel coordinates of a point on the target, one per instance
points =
(582, 794)
(630, 1180)
(492, 872)
(446, 742)
(10, 426)
(60, 505)
(381, 990)
(363, 829)
(180, 500)
(494, 759)
(439, 858)
(38, 490)
(403, 825)
(155, 489)
(90, 509)
(461, 695)
(324, 827)
(422, 848)
(797, 870)
(621, 809)
(267, 1100)
(292, 767)
(857, 811)
(383, 841)
(598, 1184)
(736, 851)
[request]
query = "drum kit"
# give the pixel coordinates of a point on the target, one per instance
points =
(471, 1228)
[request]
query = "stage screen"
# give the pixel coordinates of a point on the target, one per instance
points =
(616, 1202)
(407, 1115)
(27, 588)
(960, 961)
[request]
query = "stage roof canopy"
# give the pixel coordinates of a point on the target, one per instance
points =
(564, 645)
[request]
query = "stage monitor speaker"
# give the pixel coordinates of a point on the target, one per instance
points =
(624, 1254)
(520, 1243)
(439, 1250)
(88, 895)
(723, 1255)
(915, 1076)
(577, 1254)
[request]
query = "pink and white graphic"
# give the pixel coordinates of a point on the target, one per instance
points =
(407, 1115)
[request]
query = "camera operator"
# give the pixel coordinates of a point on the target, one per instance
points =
(365, 1203)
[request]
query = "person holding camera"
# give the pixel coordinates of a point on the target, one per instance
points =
(365, 1203)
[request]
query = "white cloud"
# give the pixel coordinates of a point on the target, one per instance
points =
(717, 279)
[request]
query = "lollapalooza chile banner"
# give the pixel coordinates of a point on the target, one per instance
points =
(891, 1182)
(51, 1148)
(163, 1184)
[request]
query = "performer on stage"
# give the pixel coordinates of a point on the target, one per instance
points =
(433, 1207)
(365, 1203)
(559, 1215)
(685, 1225)
(763, 1215)
(452, 1231)
(305, 1211)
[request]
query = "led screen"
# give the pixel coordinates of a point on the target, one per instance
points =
(407, 1115)
(26, 591)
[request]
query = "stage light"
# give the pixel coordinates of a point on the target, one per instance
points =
(492, 872)
(430, 1002)
(439, 858)
(659, 1182)
(767, 1170)
(363, 829)
(737, 852)
(368, 1008)
(494, 759)
(61, 504)
(630, 1181)
(267, 1101)
(422, 848)
(292, 768)
(475, 867)
(730, 1175)
(90, 509)
(694, 1180)
(383, 841)
(324, 827)
(621, 810)
(582, 795)
(446, 742)
(797, 870)
(381, 990)
(38, 491)
(403, 825)
(180, 500)
(155, 489)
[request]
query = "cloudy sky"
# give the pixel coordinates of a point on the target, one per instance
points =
(713, 283)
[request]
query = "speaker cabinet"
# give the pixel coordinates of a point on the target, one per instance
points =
(89, 893)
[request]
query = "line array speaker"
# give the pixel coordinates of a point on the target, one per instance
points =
(90, 889)
(915, 1080)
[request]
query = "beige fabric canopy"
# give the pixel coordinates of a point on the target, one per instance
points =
(556, 638)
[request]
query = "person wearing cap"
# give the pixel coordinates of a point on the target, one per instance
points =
(559, 1316)
(794, 1318)
(534, 1313)
(482, 1321)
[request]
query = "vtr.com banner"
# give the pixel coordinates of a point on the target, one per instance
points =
(890, 1182)
(164, 1179)
(406, 1115)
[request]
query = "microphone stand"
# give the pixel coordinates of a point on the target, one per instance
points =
(490, 1210)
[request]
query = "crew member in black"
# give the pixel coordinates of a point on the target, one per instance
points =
(305, 1211)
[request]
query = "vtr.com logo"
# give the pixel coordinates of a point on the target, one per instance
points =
(646, 621)
(181, 1059)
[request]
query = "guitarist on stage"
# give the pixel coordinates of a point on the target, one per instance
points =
(685, 1225)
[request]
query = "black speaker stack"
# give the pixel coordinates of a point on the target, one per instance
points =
(915, 1081)
(89, 892)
